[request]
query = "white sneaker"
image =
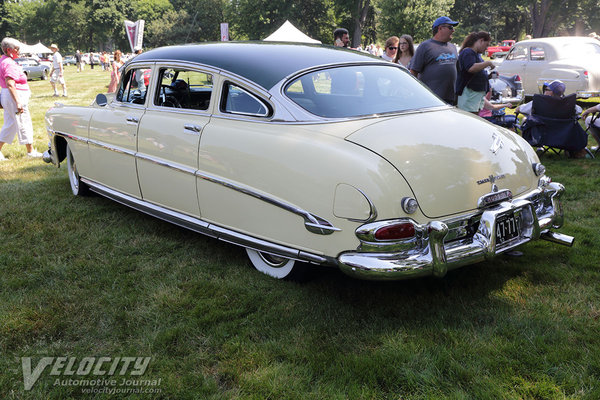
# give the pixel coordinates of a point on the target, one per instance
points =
(2, 158)
(34, 154)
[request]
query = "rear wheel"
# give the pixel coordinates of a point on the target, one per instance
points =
(77, 187)
(278, 267)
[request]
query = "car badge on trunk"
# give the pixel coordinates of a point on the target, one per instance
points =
(497, 144)
(492, 179)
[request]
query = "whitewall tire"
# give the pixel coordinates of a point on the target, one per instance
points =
(77, 187)
(276, 266)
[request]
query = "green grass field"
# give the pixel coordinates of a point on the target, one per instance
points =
(87, 277)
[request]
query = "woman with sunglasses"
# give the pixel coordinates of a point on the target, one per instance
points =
(391, 48)
(406, 50)
(15, 98)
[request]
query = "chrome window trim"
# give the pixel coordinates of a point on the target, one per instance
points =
(268, 114)
(202, 68)
(128, 67)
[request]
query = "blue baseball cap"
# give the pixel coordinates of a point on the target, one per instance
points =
(444, 20)
(557, 87)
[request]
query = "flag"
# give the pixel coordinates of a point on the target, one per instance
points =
(135, 33)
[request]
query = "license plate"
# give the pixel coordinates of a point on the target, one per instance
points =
(507, 227)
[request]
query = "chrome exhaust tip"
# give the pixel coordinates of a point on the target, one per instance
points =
(559, 238)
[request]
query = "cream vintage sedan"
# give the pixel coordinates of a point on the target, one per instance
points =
(573, 60)
(308, 155)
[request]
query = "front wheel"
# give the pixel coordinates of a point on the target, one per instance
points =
(44, 75)
(278, 267)
(77, 187)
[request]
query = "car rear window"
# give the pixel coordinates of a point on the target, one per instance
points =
(353, 91)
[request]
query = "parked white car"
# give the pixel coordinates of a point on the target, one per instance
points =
(311, 154)
(573, 60)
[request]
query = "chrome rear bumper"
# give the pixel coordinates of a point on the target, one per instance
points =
(538, 212)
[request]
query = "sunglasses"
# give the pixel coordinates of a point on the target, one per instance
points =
(392, 48)
(450, 27)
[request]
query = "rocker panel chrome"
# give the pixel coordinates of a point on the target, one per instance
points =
(197, 225)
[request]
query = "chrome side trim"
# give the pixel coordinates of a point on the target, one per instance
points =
(197, 225)
(163, 163)
(312, 222)
(72, 137)
(119, 150)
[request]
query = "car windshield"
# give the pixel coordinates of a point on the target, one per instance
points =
(354, 91)
(580, 50)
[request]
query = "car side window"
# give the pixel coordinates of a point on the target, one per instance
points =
(134, 86)
(537, 53)
(237, 100)
(184, 88)
(517, 53)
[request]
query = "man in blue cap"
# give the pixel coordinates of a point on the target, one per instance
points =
(434, 62)
(556, 88)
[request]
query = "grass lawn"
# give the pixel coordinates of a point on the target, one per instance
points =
(87, 277)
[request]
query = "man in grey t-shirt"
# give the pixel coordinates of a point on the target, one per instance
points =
(434, 62)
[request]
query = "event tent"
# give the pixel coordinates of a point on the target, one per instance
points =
(289, 33)
(38, 48)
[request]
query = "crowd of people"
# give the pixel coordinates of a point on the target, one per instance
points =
(460, 78)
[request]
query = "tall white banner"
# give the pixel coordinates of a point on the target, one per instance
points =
(224, 31)
(135, 33)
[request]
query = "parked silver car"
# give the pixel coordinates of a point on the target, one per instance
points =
(33, 69)
(573, 60)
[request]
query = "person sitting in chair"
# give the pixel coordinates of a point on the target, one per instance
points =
(552, 121)
(555, 88)
(593, 123)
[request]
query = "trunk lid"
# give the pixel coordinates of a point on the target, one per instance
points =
(448, 157)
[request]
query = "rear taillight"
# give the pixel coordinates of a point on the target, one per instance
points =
(518, 79)
(402, 230)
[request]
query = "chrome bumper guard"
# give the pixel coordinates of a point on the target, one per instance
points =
(538, 212)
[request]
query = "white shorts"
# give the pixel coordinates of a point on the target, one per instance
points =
(16, 124)
(588, 121)
(56, 78)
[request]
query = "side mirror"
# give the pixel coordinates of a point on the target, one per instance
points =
(101, 100)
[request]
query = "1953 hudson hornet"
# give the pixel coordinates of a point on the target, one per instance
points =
(308, 155)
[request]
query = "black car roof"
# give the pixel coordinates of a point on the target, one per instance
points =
(264, 63)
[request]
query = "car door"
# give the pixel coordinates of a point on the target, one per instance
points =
(515, 62)
(113, 137)
(169, 137)
(534, 69)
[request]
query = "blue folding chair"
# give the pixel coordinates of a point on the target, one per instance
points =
(554, 125)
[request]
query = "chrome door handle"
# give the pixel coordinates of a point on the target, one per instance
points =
(133, 120)
(192, 128)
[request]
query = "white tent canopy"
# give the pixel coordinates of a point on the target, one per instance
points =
(289, 33)
(34, 49)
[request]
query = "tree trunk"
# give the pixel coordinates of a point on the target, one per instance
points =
(362, 9)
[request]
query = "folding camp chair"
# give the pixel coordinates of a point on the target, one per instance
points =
(553, 125)
(594, 130)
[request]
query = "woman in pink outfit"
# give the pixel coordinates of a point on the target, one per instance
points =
(15, 98)
(115, 74)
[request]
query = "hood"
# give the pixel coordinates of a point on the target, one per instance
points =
(447, 157)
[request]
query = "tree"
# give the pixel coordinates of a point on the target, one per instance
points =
(414, 17)
(257, 19)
